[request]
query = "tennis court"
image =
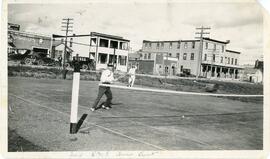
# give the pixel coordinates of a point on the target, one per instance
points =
(39, 111)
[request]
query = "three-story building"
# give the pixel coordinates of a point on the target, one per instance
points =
(183, 56)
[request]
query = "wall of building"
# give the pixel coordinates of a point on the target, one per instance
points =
(23, 40)
(187, 53)
(188, 48)
(102, 50)
(171, 47)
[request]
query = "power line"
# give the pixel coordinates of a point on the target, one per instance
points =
(76, 43)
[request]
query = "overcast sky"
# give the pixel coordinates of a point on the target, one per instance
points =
(241, 23)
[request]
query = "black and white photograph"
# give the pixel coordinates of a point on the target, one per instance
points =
(135, 79)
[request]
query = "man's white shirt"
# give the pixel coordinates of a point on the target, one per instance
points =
(107, 76)
(132, 71)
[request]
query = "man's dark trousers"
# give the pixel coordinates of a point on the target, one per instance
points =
(101, 91)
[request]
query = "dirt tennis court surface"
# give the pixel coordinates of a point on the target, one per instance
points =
(39, 112)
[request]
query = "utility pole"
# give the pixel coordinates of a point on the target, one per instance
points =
(201, 33)
(67, 28)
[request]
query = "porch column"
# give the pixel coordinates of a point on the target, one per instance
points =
(220, 72)
(225, 72)
(208, 70)
(216, 73)
(201, 71)
(236, 74)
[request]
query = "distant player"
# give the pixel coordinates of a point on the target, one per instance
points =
(131, 73)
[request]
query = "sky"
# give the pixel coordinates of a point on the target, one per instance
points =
(241, 23)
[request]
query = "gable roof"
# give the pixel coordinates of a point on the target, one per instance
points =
(60, 43)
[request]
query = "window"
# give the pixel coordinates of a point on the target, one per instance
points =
(222, 48)
(123, 46)
(232, 61)
(178, 45)
(215, 46)
(205, 57)
(104, 43)
(145, 56)
(157, 45)
(162, 45)
(192, 56)
(149, 55)
(93, 42)
(177, 55)
(166, 69)
(181, 68)
(185, 45)
(206, 45)
(235, 61)
(170, 45)
(145, 45)
(214, 57)
(228, 60)
(112, 59)
(150, 45)
(170, 54)
(122, 60)
(114, 44)
(102, 58)
(184, 56)
(221, 60)
(193, 44)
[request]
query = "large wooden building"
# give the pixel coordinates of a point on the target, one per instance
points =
(182, 56)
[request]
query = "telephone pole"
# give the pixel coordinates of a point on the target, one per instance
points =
(66, 25)
(201, 33)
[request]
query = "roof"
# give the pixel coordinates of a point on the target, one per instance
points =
(108, 36)
(148, 41)
(224, 42)
(218, 41)
(29, 34)
(236, 52)
(57, 43)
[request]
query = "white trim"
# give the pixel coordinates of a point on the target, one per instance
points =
(179, 92)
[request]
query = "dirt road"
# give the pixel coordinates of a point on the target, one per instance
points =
(39, 112)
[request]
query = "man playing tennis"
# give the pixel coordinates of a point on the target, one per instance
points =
(131, 73)
(106, 78)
